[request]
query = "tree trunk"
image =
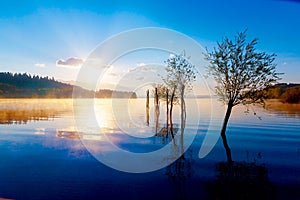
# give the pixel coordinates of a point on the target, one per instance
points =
(156, 118)
(223, 132)
(183, 118)
(156, 97)
(171, 112)
(156, 110)
(182, 104)
(167, 117)
(147, 99)
(147, 108)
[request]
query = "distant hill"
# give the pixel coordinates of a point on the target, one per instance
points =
(287, 93)
(26, 86)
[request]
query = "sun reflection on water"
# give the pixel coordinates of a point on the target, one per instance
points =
(22, 111)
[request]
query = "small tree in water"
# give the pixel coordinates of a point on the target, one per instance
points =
(241, 73)
(180, 75)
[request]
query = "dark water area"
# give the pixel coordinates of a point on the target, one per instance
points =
(44, 159)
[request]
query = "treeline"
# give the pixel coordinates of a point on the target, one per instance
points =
(105, 93)
(26, 86)
(27, 81)
(287, 93)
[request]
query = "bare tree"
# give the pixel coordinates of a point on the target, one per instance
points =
(241, 73)
(162, 93)
(147, 107)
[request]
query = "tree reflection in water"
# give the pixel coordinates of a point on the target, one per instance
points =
(241, 180)
(180, 170)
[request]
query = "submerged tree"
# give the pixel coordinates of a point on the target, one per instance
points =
(162, 93)
(241, 73)
(180, 75)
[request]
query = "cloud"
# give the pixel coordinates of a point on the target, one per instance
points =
(140, 64)
(140, 78)
(143, 69)
(39, 65)
(113, 74)
(70, 62)
(108, 66)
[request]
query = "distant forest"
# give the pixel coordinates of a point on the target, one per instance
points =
(287, 93)
(26, 86)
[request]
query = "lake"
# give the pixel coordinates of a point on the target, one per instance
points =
(47, 153)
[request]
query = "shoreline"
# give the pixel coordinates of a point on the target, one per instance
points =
(277, 105)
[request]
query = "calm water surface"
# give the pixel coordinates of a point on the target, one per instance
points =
(43, 156)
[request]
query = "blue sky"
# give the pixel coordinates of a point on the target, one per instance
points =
(34, 35)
